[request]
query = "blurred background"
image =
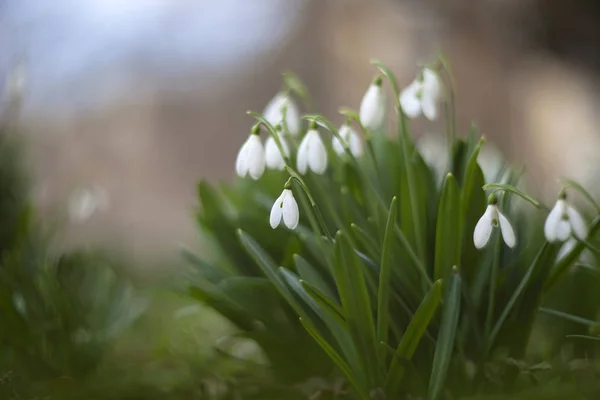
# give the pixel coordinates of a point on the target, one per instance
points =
(133, 101)
(141, 98)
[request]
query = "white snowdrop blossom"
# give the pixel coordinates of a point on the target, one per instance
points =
(372, 106)
(491, 219)
(251, 158)
(422, 95)
(351, 139)
(84, 202)
(312, 153)
(274, 112)
(285, 208)
(564, 221)
(273, 157)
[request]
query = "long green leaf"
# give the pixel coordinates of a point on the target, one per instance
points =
(570, 317)
(356, 304)
(383, 297)
(535, 265)
(324, 301)
(412, 336)
(337, 359)
(445, 342)
(447, 240)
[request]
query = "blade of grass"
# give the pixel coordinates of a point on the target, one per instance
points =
(383, 297)
(412, 337)
(447, 241)
(445, 342)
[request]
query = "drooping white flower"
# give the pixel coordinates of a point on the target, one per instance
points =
(421, 96)
(491, 219)
(274, 112)
(372, 106)
(285, 208)
(351, 139)
(251, 158)
(84, 202)
(563, 221)
(312, 153)
(273, 157)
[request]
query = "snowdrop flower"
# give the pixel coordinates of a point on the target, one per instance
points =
(274, 112)
(490, 219)
(251, 157)
(350, 138)
(286, 208)
(273, 157)
(563, 221)
(421, 96)
(312, 153)
(372, 106)
(84, 202)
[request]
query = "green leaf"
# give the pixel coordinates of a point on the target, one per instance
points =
(445, 342)
(368, 243)
(447, 241)
(473, 202)
(535, 266)
(337, 359)
(324, 301)
(356, 304)
(308, 273)
(570, 317)
(412, 336)
(269, 269)
(383, 297)
(223, 305)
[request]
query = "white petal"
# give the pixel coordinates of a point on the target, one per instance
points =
(551, 225)
(372, 108)
(317, 154)
(337, 146)
(483, 229)
(302, 156)
(277, 211)
(578, 224)
(272, 111)
(255, 158)
(292, 118)
(566, 249)
(508, 234)
(356, 145)
(429, 106)
(273, 157)
(409, 100)
(291, 216)
(241, 164)
(432, 86)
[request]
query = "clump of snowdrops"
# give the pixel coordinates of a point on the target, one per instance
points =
(349, 257)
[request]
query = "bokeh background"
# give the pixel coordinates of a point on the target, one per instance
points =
(136, 100)
(144, 97)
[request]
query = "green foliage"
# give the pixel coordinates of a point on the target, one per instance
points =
(60, 312)
(399, 298)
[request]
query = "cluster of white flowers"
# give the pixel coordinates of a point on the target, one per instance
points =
(421, 97)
